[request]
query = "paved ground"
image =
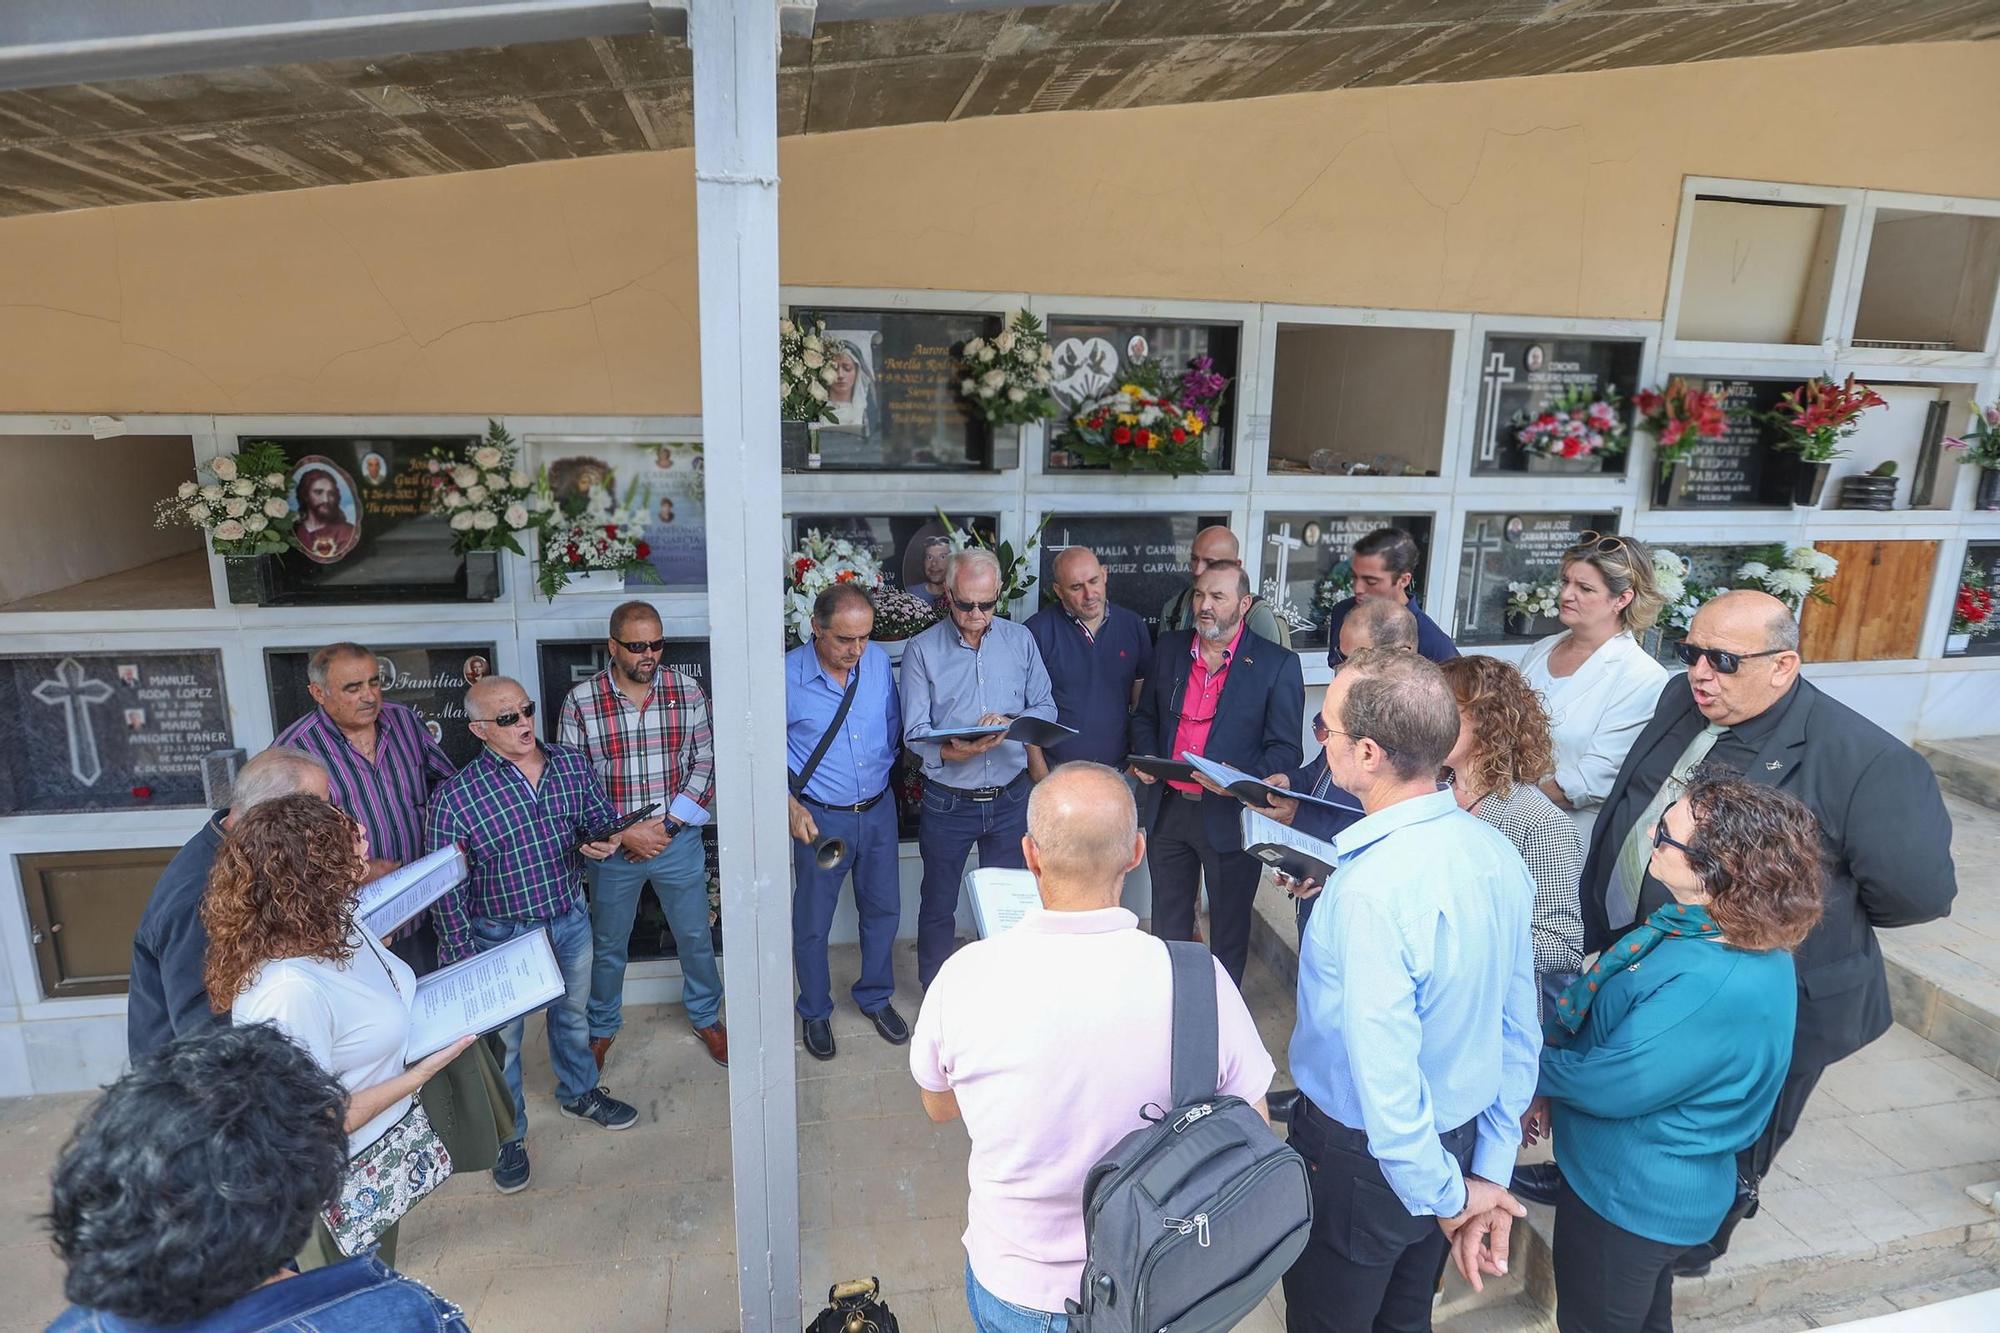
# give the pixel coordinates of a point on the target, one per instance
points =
(1946, 974)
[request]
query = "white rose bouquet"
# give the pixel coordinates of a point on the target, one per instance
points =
(1791, 574)
(1006, 379)
(805, 371)
(240, 500)
(483, 493)
(819, 563)
(1537, 601)
(593, 529)
(1673, 575)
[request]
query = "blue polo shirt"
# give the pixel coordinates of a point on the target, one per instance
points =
(1432, 642)
(1092, 679)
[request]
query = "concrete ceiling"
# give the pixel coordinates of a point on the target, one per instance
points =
(248, 131)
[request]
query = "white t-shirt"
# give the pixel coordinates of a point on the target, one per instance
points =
(352, 1017)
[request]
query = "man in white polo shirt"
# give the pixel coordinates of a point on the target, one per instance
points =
(1049, 1039)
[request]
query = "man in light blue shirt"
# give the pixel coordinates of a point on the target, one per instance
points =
(845, 797)
(969, 669)
(1417, 1042)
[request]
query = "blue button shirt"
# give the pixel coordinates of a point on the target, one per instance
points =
(1416, 1006)
(1315, 780)
(1432, 641)
(856, 766)
(947, 684)
(1092, 678)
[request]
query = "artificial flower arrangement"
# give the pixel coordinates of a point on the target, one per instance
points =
(1581, 424)
(587, 530)
(1981, 444)
(804, 371)
(1673, 578)
(1972, 609)
(484, 494)
(1679, 417)
(1015, 580)
(1534, 601)
(817, 564)
(1150, 423)
(1819, 414)
(900, 615)
(1791, 574)
(239, 500)
(1006, 380)
(1330, 589)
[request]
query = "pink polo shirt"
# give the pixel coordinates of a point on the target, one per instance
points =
(1053, 1036)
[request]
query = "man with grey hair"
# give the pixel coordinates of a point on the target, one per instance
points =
(1051, 1040)
(167, 998)
(972, 669)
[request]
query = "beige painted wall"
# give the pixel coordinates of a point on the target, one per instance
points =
(52, 536)
(571, 287)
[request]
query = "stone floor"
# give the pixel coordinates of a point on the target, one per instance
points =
(1946, 974)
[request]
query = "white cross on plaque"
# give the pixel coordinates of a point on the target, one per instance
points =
(1057, 548)
(1278, 589)
(1496, 374)
(1480, 542)
(74, 692)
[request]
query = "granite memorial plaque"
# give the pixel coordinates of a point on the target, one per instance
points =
(1742, 469)
(1522, 374)
(1503, 548)
(1091, 357)
(109, 731)
(896, 405)
(1985, 557)
(1309, 565)
(912, 548)
(431, 680)
(1145, 556)
(664, 479)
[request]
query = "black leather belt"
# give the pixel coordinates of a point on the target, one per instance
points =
(980, 795)
(868, 804)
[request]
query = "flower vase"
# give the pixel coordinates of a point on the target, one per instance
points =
(1809, 483)
(251, 580)
(1989, 489)
(1520, 625)
(593, 581)
(1957, 645)
(812, 446)
(1557, 463)
(1669, 482)
(482, 576)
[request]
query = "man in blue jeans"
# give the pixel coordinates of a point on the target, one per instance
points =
(523, 812)
(644, 728)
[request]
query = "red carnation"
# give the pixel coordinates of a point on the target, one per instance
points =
(1180, 436)
(1145, 439)
(1123, 435)
(1546, 419)
(642, 550)
(611, 529)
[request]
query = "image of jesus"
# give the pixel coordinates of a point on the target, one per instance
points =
(325, 531)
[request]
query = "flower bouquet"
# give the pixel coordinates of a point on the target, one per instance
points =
(1015, 580)
(1528, 603)
(239, 500)
(1819, 414)
(1981, 446)
(804, 371)
(1678, 418)
(1006, 380)
(899, 615)
(1330, 589)
(1574, 433)
(1673, 576)
(485, 495)
(1149, 423)
(817, 564)
(589, 532)
(1791, 574)
(1971, 610)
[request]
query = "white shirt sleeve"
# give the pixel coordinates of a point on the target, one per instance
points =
(297, 1008)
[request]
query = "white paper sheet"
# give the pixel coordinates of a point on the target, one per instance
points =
(1258, 829)
(398, 896)
(480, 993)
(1232, 779)
(1000, 898)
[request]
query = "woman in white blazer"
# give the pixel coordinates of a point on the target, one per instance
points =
(1598, 684)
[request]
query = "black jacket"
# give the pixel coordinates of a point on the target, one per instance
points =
(1886, 840)
(1259, 719)
(166, 998)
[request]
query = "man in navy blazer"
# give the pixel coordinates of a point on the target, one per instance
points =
(1227, 694)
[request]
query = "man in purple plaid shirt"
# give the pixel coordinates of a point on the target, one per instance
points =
(521, 810)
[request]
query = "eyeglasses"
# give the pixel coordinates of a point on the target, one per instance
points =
(1661, 838)
(509, 719)
(970, 607)
(1721, 659)
(1321, 731)
(642, 645)
(1603, 543)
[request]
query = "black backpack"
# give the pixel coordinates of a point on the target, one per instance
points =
(855, 1307)
(1190, 1221)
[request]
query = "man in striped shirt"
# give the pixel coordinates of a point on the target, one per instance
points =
(382, 767)
(644, 727)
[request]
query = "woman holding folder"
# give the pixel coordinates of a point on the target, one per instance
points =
(284, 948)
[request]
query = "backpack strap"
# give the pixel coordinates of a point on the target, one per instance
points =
(1196, 1034)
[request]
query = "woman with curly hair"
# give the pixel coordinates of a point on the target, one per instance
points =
(1502, 751)
(284, 949)
(1665, 1058)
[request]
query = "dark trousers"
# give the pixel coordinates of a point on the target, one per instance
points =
(1371, 1266)
(950, 824)
(1609, 1280)
(870, 836)
(1179, 856)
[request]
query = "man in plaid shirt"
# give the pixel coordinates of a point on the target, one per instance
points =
(521, 811)
(644, 727)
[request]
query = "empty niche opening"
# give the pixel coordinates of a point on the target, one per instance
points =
(1759, 273)
(1929, 282)
(1359, 400)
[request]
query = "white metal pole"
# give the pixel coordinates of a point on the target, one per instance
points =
(735, 47)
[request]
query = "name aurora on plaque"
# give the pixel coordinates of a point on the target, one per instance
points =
(894, 399)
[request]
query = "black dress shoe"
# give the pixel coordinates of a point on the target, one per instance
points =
(890, 1024)
(819, 1038)
(1695, 1261)
(1540, 1182)
(1282, 1104)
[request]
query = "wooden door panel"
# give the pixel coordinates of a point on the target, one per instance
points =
(1879, 595)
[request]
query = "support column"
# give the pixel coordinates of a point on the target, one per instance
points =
(735, 47)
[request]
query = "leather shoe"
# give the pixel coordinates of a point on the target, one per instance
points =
(1695, 1261)
(1538, 1182)
(717, 1041)
(599, 1046)
(890, 1024)
(819, 1038)
(1282, 1104)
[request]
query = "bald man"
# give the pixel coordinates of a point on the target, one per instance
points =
(1052, 1039)
(1744, 706)
(1217, 545)
(1096, 655)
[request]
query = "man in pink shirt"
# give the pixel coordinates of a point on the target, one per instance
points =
(1049, 1040)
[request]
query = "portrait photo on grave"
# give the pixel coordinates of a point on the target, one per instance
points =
(1145, 556)
(911, 548)
(1525, 380)
(1090, 357)
(661, 484)
(1500, 549)
(365, 541)
(82, 733)
(429, 679)
(329, 514)
(894, 398)
(1309, 565)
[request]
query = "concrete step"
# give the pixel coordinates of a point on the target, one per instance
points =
(1944, 976)
(1969, 767)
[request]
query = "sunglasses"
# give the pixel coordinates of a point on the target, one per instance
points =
(1721, 659)
(642, 645)
(1661, 838)
(1602, 543)
(509, 719)
(1321, 731)
(969, 607)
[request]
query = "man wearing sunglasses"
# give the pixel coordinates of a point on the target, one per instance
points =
(1743, 705)
(973, 668)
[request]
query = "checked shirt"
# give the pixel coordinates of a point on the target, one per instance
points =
(520, 841)
(653, 752)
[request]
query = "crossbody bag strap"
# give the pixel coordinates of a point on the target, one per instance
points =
(1196, 1035)
(804, 775)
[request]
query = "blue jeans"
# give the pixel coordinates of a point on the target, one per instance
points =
(946, 830)
(990, 1314)
(680, 877)
(569, 1041)
(870, 836)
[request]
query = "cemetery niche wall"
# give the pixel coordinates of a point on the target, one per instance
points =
(1359, 400)
(1975, 619)
(1145, 556)
(663, 480)
(1500, 549)
(1522, 377)
(430, 680)
(894, 400)
(911, 548)
(1093, 357)
(1309, 565)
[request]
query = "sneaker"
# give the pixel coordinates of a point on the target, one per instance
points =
(600, 1107)
(510, 1172)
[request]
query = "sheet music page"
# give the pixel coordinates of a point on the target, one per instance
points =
(398, 896)
(480, 993)
(1000, 898)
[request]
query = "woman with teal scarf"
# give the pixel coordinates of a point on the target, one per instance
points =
(1665, 1057)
